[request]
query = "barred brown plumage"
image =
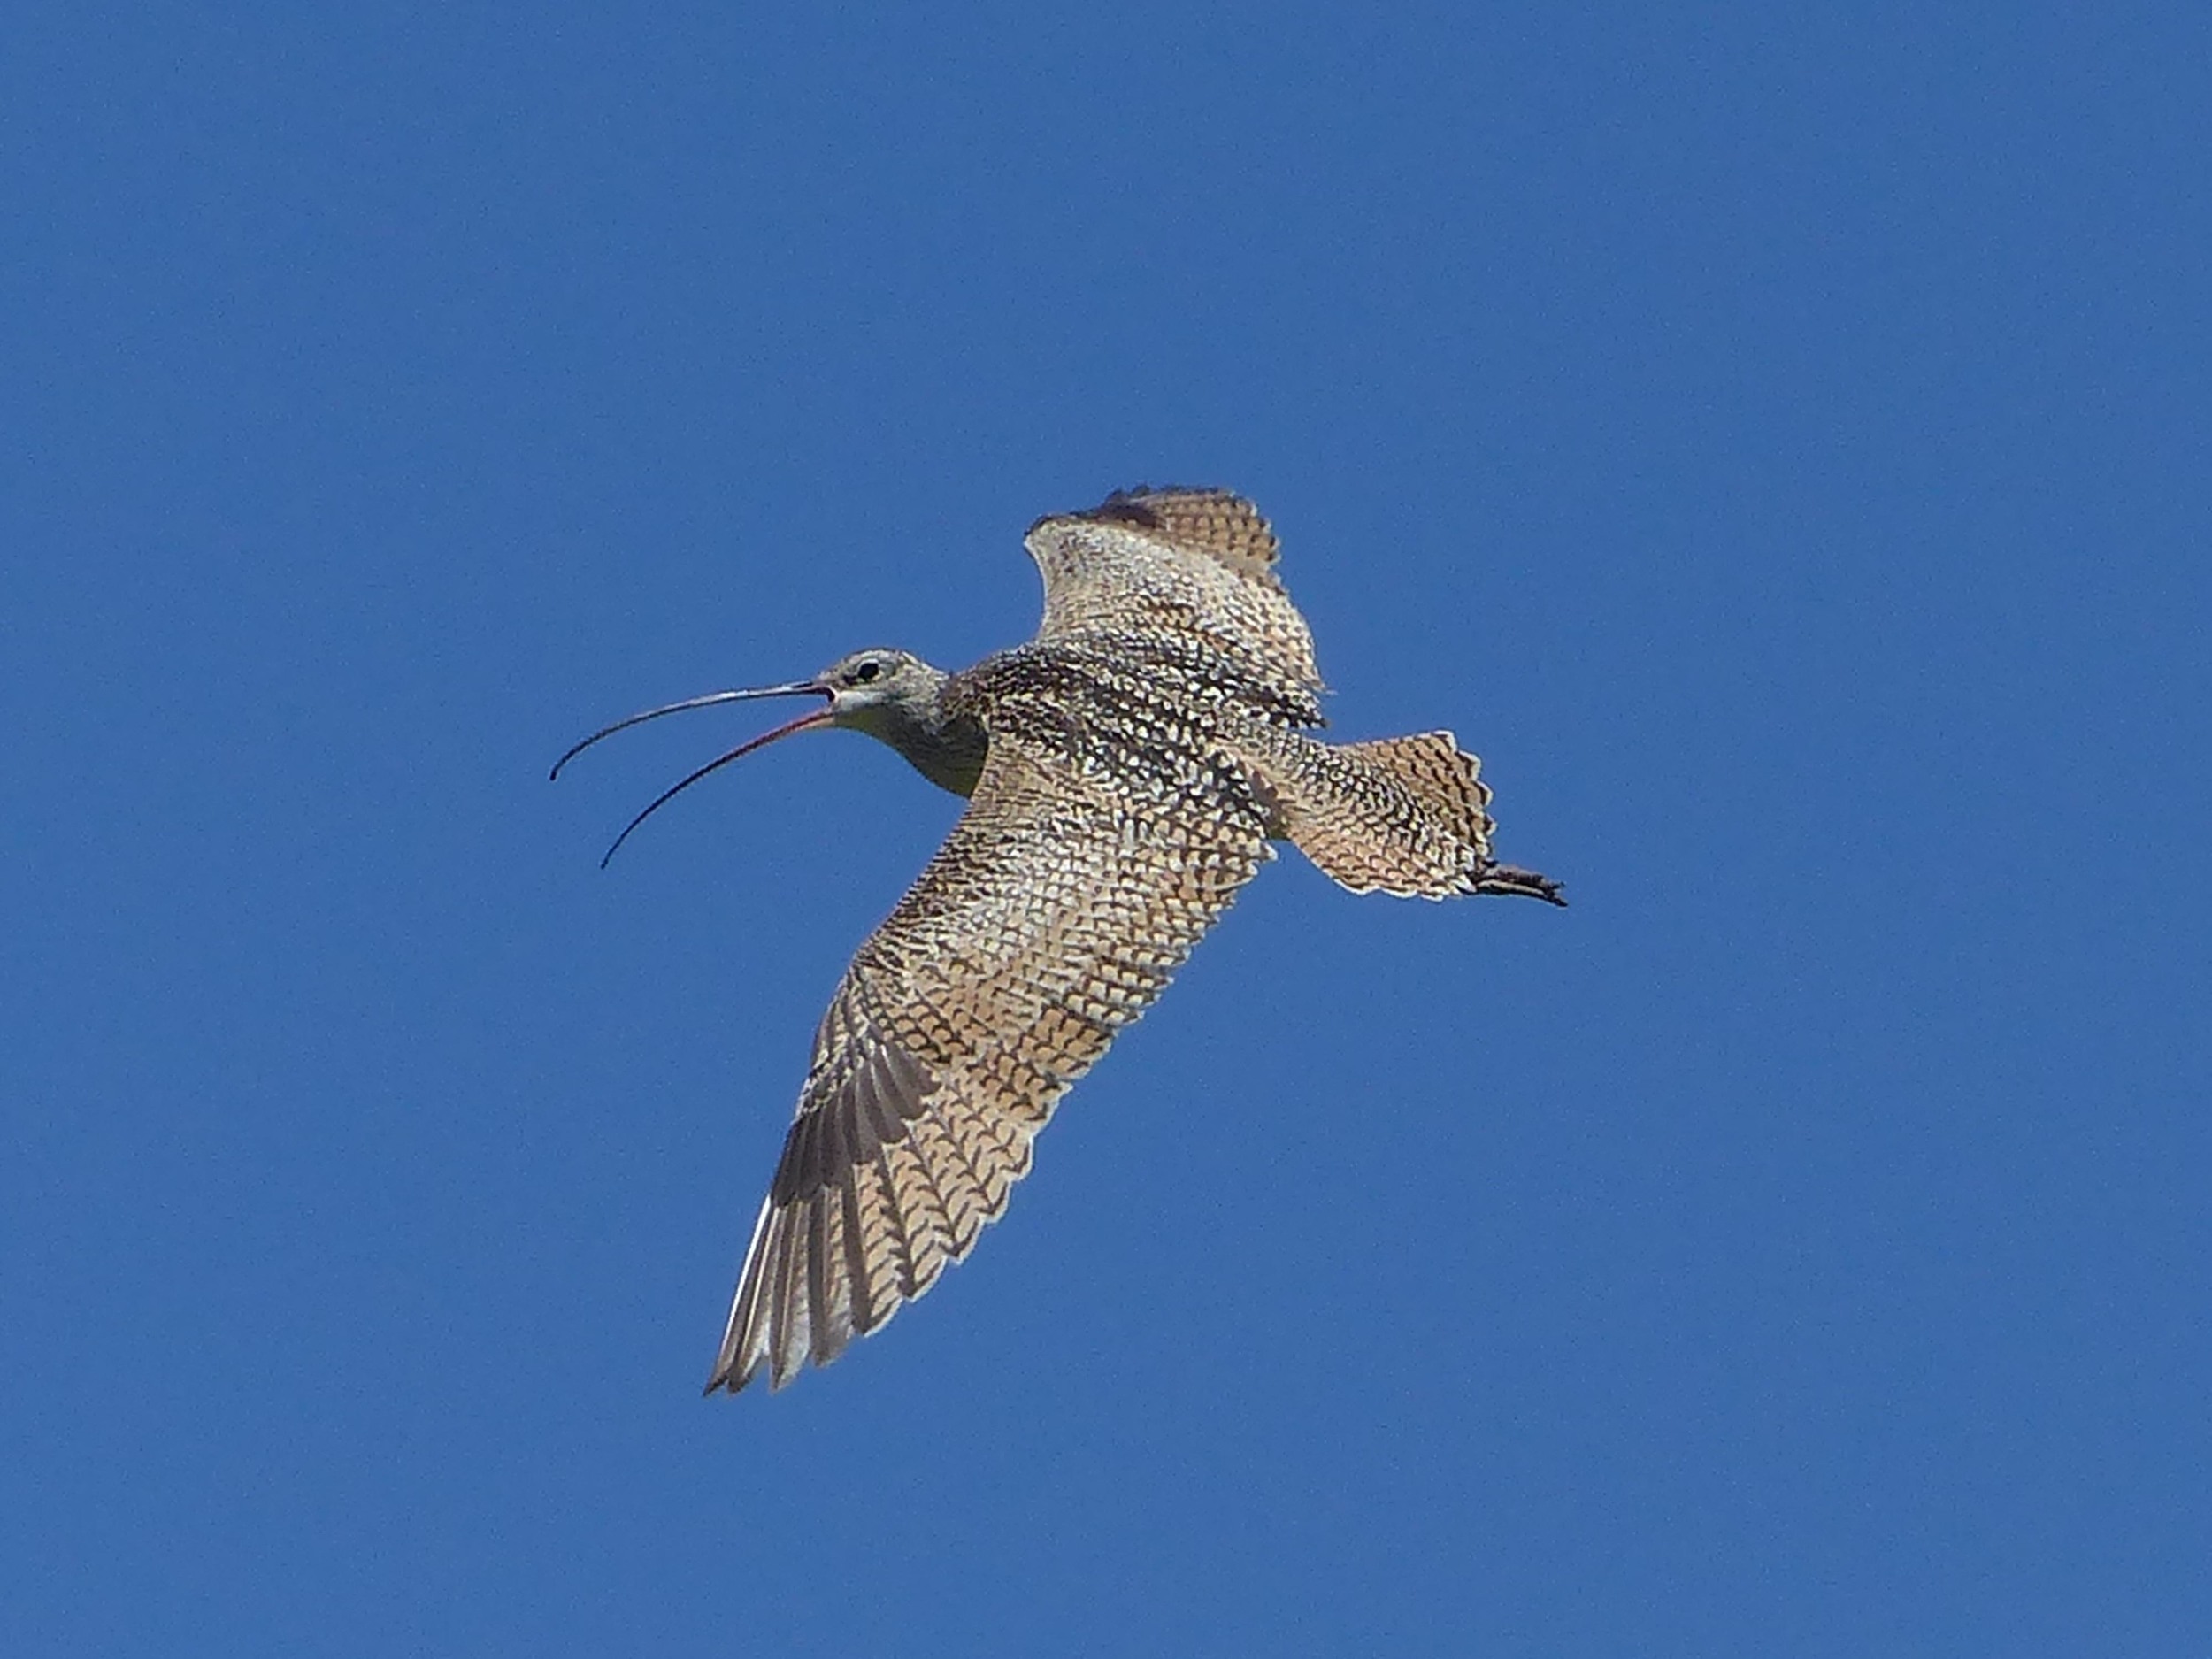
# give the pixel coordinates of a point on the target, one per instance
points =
(1126, 771)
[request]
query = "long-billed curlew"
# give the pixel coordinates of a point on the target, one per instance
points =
(1124, 773)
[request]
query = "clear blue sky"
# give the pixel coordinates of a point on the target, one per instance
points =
(1775, 438)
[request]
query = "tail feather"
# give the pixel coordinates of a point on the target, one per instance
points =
(1401, 815)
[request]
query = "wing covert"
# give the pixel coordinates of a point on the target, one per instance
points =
(1193, 561)
(1054, 914)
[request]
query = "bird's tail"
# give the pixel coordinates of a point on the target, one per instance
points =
(1402, 815)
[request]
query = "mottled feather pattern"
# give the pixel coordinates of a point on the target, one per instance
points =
(1141, 751)
(1400, 814)
(1214, 522)
(1066, 896)
(1198, 564)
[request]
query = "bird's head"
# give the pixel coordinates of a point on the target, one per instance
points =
(880, 691)
(892, 696)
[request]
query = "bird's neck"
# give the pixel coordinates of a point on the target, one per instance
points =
(946, 748)
(949, 754)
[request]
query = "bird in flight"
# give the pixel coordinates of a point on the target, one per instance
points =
(1126, 771)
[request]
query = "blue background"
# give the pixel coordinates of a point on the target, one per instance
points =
(1775, 438)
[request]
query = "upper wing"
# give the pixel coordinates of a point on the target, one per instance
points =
(1194, 560)
(1053, 915)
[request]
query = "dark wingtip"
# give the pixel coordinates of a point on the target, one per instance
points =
(725, 1380)
(1132, 504)
(1124, 506)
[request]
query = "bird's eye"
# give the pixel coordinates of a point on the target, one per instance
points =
(866, 672)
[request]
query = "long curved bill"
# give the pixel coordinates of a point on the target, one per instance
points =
(796, 687)
(805, 722)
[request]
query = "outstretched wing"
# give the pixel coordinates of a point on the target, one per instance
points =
(1053, 915)
(1198, 561)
